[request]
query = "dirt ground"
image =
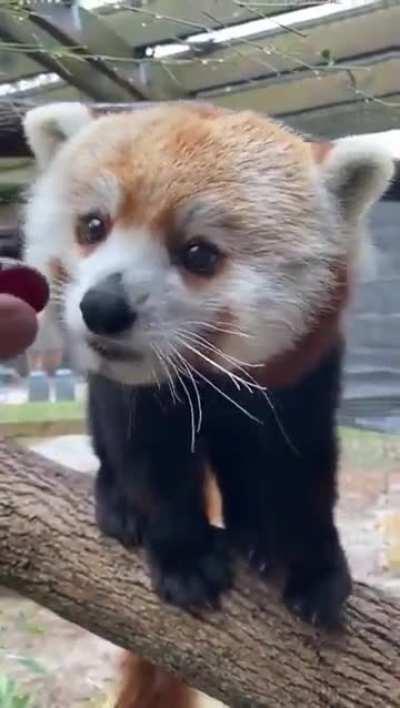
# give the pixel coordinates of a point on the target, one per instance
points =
(62, 666)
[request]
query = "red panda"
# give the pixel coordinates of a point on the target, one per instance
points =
(203, 263)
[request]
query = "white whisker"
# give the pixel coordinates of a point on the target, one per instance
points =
(189, 400)
(236, 380)
(222, 393)
(175, 369)
(249, 385)
(202, 340)
(192, 416)
(164, 364)
(196, 390)
(225, 395)
(216, 328)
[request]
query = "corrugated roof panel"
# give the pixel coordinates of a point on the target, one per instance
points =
(14, 65)
(299, 92)
(50, 49)
(163, 20)
(282, 51)
(346, 118)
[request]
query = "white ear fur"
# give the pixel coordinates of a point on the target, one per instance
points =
(357, 172)
(47, 127)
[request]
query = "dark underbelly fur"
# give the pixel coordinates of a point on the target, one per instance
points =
(277, 479)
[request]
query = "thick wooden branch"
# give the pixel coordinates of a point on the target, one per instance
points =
(251, 654)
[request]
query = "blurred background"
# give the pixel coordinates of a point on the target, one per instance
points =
(327, 69)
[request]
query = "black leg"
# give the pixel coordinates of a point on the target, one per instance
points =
(188, 557)
(110, 413)
(278, 482)
(150, 490)
(116, 516)
(189, 576)
(279, 512)
(319, 580)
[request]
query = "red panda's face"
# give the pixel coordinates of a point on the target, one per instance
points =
(186, 237)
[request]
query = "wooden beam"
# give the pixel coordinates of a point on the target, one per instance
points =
(56, 53)
(83, 33)
(159, 21)
(318, 44)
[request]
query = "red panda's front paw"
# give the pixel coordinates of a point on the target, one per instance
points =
(319, 598)
(197, 581)
(260, 561)
(117, 520)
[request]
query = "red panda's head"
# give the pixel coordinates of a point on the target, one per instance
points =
(188, 234)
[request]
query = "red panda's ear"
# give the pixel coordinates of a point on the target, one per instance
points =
(47, 127)
(356, 170)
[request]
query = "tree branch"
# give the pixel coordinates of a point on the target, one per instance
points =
(252, 654)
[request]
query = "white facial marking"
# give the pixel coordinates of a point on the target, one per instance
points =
(156, 292)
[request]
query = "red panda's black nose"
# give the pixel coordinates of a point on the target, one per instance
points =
(105, 307)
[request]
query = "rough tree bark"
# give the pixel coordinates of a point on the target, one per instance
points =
(251, 654)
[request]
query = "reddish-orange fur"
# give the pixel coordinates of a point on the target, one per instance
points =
(146, 686)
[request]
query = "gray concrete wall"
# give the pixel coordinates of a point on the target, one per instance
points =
(371, 396)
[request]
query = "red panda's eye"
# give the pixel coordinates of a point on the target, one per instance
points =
(92, 229)
(201, 257)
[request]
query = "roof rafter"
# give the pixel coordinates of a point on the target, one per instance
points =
(46, 36)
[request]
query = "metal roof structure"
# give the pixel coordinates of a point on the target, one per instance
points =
(325, 67)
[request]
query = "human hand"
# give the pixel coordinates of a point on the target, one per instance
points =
(24, 292)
